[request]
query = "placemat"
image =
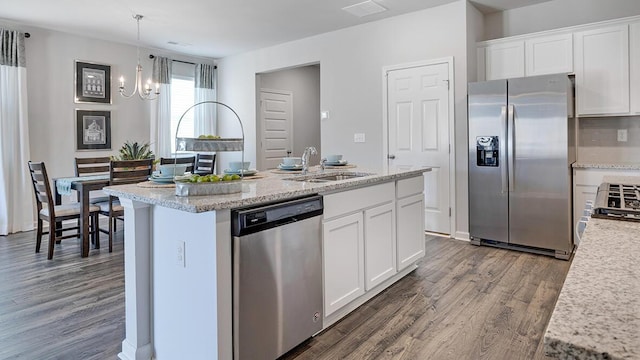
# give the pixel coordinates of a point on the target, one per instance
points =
(289, 172)
(151, 184)
(347, 166)
(255, 177)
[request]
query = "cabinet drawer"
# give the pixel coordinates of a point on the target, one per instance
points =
(411, 186)
(357, 200)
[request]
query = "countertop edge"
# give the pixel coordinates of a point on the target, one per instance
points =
(165, 197)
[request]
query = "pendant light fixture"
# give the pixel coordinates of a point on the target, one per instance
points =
(144, 91)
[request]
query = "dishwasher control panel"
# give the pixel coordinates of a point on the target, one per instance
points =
(261, 217)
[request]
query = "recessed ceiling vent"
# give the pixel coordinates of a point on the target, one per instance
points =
(364, 8)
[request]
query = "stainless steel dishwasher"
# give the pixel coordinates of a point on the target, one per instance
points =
(277, 276)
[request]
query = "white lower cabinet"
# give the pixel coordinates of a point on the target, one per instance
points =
(410, 230)
(380, 249)
(364, 232)
(343, 252)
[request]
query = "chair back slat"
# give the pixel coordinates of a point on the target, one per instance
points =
(129, 171)
(188, 160)
(205, 163)
(41, 187)
(92, 166)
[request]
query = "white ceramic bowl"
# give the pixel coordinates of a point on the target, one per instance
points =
(291, 161)
(334, 158)
(237, 165)
(172, 169)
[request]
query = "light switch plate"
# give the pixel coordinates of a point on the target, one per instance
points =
(358, 137)
(622, 135)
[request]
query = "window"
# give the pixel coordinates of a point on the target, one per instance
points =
(182, 97)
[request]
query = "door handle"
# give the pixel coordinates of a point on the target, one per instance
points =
(391, 156)
(511, 142)
(503, 150)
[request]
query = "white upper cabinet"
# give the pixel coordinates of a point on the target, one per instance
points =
(634, 56)
(504, 60)
(602, 70)
(549, 55)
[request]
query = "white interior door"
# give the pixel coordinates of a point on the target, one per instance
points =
(276, 113)
(418, 133)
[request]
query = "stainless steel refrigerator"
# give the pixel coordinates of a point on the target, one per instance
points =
(521, 147)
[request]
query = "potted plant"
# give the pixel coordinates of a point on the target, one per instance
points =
(134, 151)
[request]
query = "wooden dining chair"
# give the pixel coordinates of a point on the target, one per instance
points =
(48, 211)
(89, 166)
(188, 160)
(205, 164)
(122, 172)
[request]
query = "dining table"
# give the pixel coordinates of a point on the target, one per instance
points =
(83, 185)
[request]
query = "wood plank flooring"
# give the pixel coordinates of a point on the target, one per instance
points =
(463, 302)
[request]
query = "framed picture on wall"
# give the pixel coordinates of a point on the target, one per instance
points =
(93, 130)
(92, 83)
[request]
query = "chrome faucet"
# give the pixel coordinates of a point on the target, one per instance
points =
(305, 158)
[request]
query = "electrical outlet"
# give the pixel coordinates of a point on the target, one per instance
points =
(358, 137)
(622, 135)
(180, 260)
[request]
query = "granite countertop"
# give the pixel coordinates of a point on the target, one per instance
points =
(273, 186)
(597, 315)
(613, 166)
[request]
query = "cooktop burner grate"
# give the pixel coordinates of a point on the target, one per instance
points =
(618, 201)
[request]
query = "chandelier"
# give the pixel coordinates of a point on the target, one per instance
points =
(144, 91)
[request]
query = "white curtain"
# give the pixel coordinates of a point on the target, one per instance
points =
(205, 121)
(161, 109)
(16, 190)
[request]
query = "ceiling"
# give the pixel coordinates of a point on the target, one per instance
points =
(210, 28)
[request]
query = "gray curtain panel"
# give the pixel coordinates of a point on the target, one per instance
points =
(162, 70)
(205, 76)
(12, 48)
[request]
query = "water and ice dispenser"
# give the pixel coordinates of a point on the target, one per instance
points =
(487, 152)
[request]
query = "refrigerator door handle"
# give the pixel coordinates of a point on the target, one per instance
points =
(510, 145)
(503, 149)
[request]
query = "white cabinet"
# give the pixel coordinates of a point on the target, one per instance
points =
(410, 230)
(504, 60)
(343, 265)
(410, 224)
(371, 237)
(634, 57)
(602, 70)
(549, 55)
(380, 249)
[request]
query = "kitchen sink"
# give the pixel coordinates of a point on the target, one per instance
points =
(324, 177)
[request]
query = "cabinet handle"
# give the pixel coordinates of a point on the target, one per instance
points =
(391, 156)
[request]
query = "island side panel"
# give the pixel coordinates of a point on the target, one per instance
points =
(137, 344)
(185, 304)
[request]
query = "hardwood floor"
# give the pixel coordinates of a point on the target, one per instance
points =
(463, 302)
(66, 308)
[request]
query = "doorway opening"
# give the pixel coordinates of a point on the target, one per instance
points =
(288, 113)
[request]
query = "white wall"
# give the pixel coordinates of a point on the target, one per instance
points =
(304, 83)
(351, 62)
(556, 14)
(51, 57)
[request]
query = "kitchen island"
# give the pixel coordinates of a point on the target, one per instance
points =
(597, 315)
(178, 254)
